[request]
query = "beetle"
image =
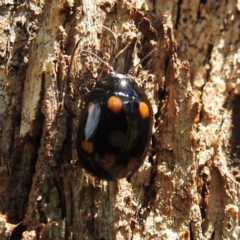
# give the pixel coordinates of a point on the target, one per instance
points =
(115, 127)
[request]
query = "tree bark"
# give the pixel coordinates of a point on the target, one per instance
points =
(188, 185)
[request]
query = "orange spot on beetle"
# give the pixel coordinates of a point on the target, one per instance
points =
(144, 110)
(115, 104)
(87, 146)
(109, 160)
(131, 163)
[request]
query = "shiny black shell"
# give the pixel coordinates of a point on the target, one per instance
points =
(115, 128)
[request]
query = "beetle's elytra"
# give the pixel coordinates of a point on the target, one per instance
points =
(115, 127)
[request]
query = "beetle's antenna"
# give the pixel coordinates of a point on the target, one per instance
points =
(115, 38)
(146, 58)
(147, 64)
(105, 63)
(122, 51)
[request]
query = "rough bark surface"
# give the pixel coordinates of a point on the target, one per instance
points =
(188, 186)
